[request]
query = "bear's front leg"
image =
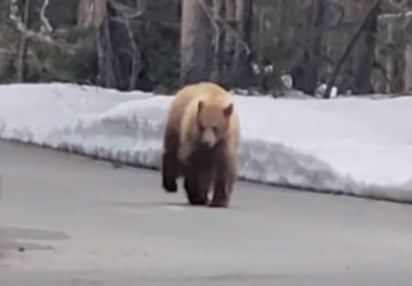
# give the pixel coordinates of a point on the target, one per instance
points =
(205, 178)
(169, 172)
(191, 185)
(198, 179)
(170, 163)
(225, 176)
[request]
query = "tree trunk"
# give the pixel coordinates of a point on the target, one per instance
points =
(364, 24)
(308, 79)
(106, 75)
(230, 14)
(219, 41)
(389, 64)
(242, 70)
(196, 42)
(364, 51)
(21, 59)
(352, 17)
(262, 80)
(91, 13)
(408, 68)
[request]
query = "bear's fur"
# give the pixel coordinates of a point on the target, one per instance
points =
(200, 143)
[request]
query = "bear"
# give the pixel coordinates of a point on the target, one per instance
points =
(200, 144)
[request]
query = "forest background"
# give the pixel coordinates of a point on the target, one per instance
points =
(361, 46)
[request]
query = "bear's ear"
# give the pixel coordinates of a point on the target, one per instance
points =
(228, 110)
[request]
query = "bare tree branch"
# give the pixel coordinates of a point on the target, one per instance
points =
(91, 13)
(398, 4)
(23, 44)
(225, 25)
(406, 14)
(349, 47)
(46, 27)
(128, 14)
(22, 28)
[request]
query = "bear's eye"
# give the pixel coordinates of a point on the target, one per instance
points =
(201, 127)
(215, 129)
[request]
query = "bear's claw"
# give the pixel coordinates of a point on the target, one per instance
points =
(197, 200)
(219, 204)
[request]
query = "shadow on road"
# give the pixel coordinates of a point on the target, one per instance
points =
(20, 239)
(151, 204)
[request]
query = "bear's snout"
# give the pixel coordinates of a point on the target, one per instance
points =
(208, 139)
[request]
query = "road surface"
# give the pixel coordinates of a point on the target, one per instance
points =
(69, 220)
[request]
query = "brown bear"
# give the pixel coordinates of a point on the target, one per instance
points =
(200, 143)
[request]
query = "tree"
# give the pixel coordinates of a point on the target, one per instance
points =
(307, 75)
(364, 50)
(196, 42)
(237, 42)
(21, 58)
(216, 42)
(241, 66)
(408, 68)
(371, 14)
(219, 10)
(229, 39)
(91, 13)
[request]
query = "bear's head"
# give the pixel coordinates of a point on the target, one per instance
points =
(213, 123)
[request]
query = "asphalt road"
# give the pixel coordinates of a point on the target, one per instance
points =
(69, 220)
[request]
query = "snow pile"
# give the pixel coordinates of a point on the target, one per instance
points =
(350, 145)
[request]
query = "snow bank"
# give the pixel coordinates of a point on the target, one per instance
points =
(346, 145)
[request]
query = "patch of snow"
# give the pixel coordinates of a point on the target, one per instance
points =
(394, 16)
(320, 90)
(287, 81)
(349, 145)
